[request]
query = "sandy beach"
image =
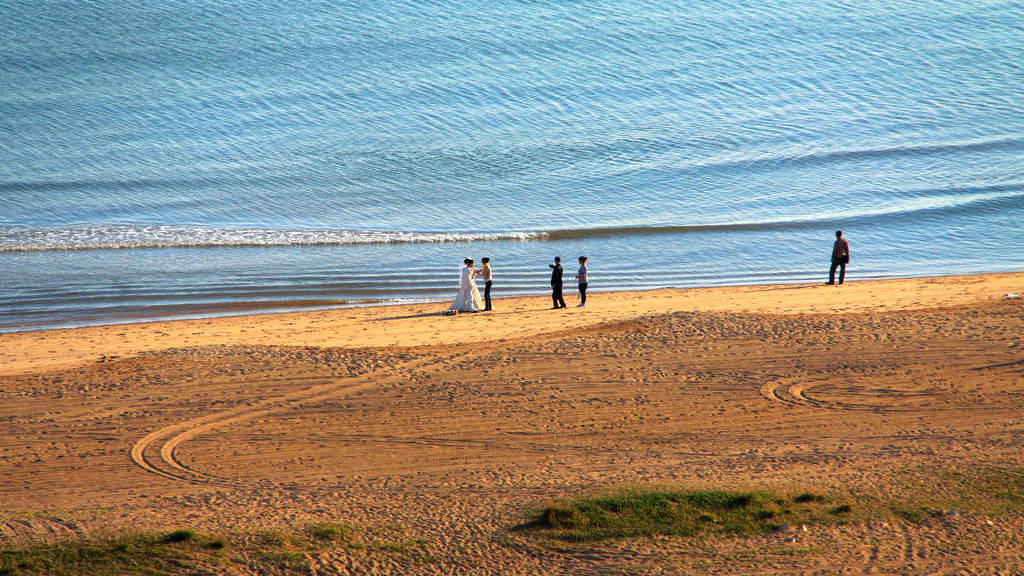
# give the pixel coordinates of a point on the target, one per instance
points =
(443, 433)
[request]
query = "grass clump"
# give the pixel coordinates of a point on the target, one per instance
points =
(135, 554)
(282, 551)
(680, 513)
(331, 531)
(180, 536)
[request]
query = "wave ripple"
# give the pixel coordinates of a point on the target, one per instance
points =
(110, 237)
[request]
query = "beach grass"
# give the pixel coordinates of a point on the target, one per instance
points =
(170, 553)
(992, 491)
(332, 532)
(641, 511)
(649, 512)
(187, 551)
(619, 513)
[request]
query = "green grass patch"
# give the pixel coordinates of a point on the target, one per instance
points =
(332, 531)
(920, 495)
(932, 493)
(135, 554)
(181, 536)
(991, 490)
(638, 512)
(841, 509)
(284, 552)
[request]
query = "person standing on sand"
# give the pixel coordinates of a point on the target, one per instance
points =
(840, 258)
(485, 273)
(468, 297)
(556, 283)
(581, 279)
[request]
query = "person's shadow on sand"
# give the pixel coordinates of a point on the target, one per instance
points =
(407, 317)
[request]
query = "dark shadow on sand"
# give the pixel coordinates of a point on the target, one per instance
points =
(407, 317)
(796, 287)
(440, 313)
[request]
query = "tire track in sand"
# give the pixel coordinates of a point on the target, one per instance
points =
(792, 395)
(49, 527)
(168, 465)
(796, 395)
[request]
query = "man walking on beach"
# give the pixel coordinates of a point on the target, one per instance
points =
(840, 258)
(485, 272)
(581, 278)
(556, 283)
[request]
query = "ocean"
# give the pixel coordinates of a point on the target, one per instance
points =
(193, 158)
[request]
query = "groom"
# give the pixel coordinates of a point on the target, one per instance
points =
(556, 284)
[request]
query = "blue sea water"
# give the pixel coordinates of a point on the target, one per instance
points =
(184, 158)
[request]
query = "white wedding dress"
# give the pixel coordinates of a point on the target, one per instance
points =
(468, 299)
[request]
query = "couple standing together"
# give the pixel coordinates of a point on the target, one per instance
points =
(556, 283)
(468, 298)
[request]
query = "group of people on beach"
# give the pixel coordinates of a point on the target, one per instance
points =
(468, 299)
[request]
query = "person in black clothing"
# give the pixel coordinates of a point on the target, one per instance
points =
(556, 283)
(840, 258)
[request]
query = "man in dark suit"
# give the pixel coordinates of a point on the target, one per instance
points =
(556, 283)
(840, 258)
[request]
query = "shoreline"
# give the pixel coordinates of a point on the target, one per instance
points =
(418, 324)
(180, 304)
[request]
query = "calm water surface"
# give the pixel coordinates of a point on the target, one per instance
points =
(200, 158)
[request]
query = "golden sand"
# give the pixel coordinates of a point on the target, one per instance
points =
(422, 324)
(444, 432)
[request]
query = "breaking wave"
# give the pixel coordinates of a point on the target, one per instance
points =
(114, 237)
(111, 237)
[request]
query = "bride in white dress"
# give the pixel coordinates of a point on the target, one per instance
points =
(468, 299)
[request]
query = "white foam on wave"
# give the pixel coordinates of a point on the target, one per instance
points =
(112, 237)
